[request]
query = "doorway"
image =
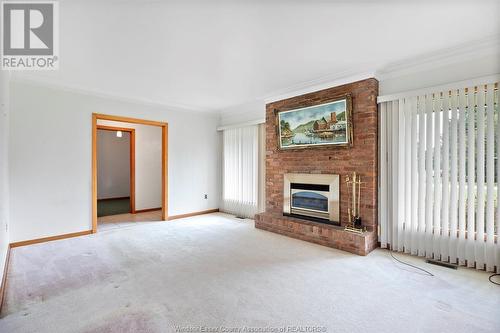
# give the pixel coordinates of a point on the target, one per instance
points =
(115, 170)
(121, 188)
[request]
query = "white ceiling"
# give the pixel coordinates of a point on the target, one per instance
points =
(214, 54)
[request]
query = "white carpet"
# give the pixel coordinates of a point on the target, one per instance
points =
(216, 271)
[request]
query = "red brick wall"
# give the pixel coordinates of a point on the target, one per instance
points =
(360, 157)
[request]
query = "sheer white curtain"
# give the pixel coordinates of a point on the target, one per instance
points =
(241, 171)
(439, 176)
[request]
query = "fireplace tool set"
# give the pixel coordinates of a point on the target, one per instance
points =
(353, 206)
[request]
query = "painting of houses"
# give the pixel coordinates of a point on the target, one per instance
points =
(325, 124)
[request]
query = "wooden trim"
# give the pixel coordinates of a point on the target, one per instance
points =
(164, 173)
(115, 128)
(147, 210)
(116, 198)
(94, 173)
(51, 238)
(132, 172)
(3, 286)
(181, 216)
(129, 120)
(164, 126)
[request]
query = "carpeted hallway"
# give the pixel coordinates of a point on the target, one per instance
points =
(215, 270)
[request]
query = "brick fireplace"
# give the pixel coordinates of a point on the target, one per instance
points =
(360, 157)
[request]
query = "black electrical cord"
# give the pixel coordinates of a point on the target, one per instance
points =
(430, 274)
(491, 280)
(408, 264)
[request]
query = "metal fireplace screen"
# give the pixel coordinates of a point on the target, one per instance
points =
(309, 199)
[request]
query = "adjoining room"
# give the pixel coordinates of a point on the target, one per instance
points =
(129, 173)
(115, 156)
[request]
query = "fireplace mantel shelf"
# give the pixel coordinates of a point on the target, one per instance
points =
(320, 233)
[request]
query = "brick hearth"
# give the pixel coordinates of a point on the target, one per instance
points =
(361, 158)
(319, 233)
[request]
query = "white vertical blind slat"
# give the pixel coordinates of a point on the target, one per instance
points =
(429, 176)
(408, 175)
(436, 236)
(390, 189)
(497, 248)
(445, 201)
(402, 175)
(462, 189)
(383, 176)
(480, 166)
(394, 169)
(490, 180)
(422, 176)
(453, 178)
(414, 179)
(471, 179)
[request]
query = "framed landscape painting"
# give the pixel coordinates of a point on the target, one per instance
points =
(318, 125)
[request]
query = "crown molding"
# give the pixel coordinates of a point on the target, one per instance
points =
(473, 82)
(317, 84)
(242, 108)
(489, 45)
(256, 121)
(44, 82)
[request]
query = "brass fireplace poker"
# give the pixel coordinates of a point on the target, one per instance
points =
(353, 206)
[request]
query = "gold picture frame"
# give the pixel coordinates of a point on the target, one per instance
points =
(320, 125)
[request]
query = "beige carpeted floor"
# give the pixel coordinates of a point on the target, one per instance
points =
(216, 272)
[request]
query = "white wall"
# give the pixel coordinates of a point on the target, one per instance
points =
(113, 164)
(50, 177)
(4, 181)
(148, 150)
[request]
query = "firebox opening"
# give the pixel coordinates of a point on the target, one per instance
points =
(310, 200)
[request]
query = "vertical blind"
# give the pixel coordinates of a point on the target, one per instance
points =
(240, 171)
(439, 176)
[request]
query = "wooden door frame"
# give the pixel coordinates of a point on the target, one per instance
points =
(164, 160)
(132, 159)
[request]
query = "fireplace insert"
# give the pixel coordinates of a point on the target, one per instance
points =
(309, 200)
